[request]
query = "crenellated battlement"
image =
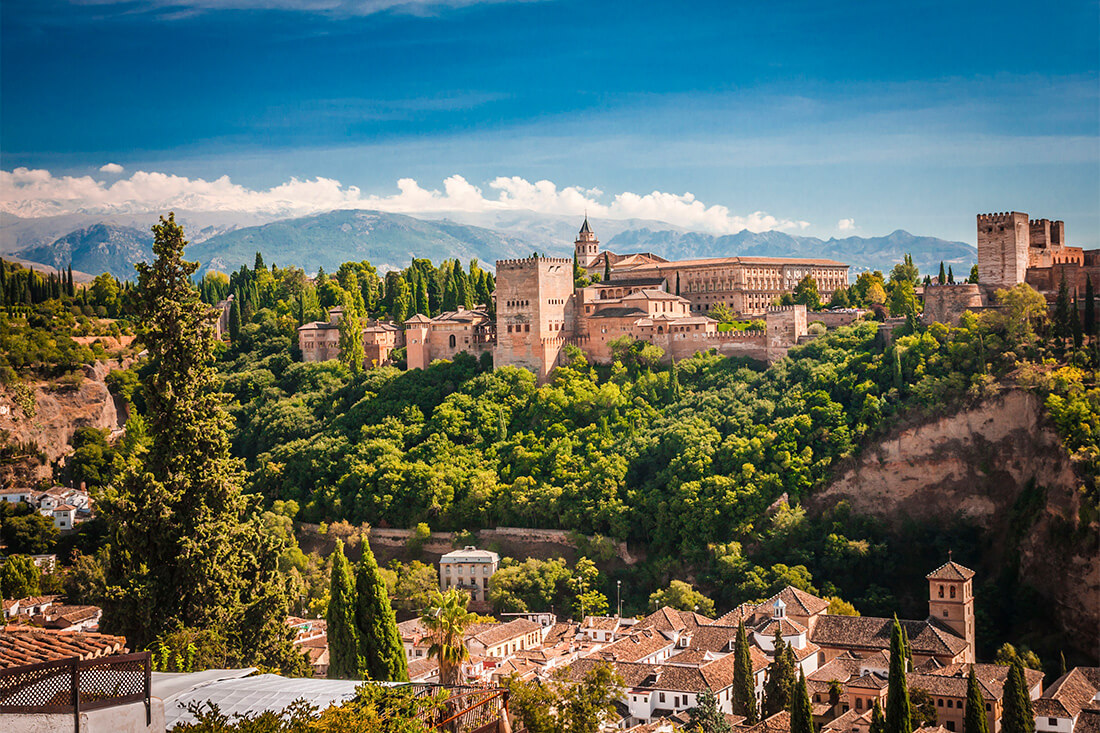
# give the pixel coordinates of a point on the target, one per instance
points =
(998, 217)
(780, 308)
(529, 261)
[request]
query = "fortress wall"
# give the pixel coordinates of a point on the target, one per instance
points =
(947, 303)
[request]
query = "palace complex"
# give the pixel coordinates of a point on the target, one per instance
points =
(1014, 249)
(539, 311)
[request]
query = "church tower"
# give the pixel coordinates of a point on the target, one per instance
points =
(951, 601)
(587, 247)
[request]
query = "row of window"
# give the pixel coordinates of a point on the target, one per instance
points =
(473, 571)
(521, 328)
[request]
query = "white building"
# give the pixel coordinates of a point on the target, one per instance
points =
(468, 569)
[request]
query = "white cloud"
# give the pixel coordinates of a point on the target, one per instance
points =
(111, 168)
(29, 192)
(846, 225)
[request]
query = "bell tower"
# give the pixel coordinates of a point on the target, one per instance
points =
(587, 247)
(951, 601)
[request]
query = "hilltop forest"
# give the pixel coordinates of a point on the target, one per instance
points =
(703, 466)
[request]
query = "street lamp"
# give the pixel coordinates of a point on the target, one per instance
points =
(619, 597)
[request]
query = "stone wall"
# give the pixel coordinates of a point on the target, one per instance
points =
(786, 324)
(947, 303)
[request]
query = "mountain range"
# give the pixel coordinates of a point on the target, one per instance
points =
(220, 241)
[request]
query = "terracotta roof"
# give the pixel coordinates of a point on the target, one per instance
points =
(797, 601)
(1074, 690)
(778, 723)
(62, 617)
(423, 667)
(600, 623)
(951, 570)
(991, 677)
(669, 619)
(654, 295)
(743, 612)
(785, 625)
(618, 313)
(560, 632)
(24, 645)
(868, 632)
(634, 647)
(629, 282)
(493, 634)
(1087, 722)
(462, 316)
(845, 722)
(418, 318)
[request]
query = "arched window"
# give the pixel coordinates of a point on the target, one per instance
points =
(452, 341)
(952, 591)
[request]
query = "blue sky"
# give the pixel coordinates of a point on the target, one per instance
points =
(890, 115)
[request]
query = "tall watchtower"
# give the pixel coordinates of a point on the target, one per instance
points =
(534, 312)
(587, 247)
(1003, 242)
(951, 601)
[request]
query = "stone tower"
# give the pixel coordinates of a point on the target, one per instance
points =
(1003, 242)
(534, 312)
(587, 246)
(951, 600)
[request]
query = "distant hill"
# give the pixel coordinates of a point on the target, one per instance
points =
(389, 241)
(220, 242)
(95, 249)
(862, 253)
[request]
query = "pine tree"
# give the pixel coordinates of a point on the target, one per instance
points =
(975, 721)
(973, 275)
(897, 694)
(187, 546)
(1018, 716)
(345, 662)
(943, 275)
(234, 321)
(780, 679)
(744, 697)
(380, 646)
(878, 721)
(1090, 307)
(802, 715)
(706, 717)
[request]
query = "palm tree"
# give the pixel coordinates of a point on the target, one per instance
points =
(446, 618)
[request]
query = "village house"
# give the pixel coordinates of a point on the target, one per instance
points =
(1073, 698)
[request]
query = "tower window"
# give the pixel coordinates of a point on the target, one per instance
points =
(941, 590)
(952, 591)
(452, 341)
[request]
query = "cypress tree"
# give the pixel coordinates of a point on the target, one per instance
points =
(677, 283)
(259, 265)
(606, 266)
(1018, 717)
(744, 699)
(1090, 307)
(188, 549)
(380, 645)
(1075, 326)
(897, 693)
(351, 334)
(234, 320)
(943, 274)
(422, 296)
(975, 720)
(802, 715)
(950, 276)
(345, 662)
(908, 649)
(878, 721)
(1061, 312)
(673, 384)
(301, 308)
(780, 679)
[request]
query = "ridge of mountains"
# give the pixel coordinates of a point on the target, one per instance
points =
(221, 242)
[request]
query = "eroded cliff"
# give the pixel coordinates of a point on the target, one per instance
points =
(1001, 467)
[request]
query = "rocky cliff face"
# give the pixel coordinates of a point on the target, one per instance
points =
(58, 413)
(975, 465)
